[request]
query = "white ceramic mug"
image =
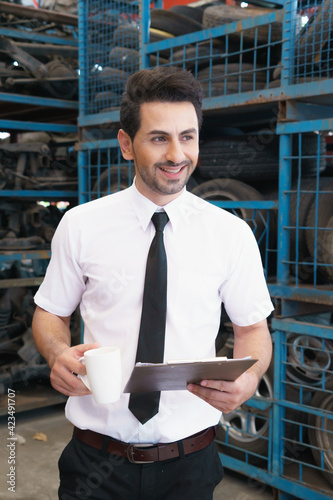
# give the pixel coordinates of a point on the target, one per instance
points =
(103, 377)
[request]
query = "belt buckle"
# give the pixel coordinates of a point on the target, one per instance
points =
(130, 452)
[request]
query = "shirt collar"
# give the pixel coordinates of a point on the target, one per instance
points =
(144, 208)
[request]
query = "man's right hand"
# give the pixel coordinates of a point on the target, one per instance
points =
(64, 368)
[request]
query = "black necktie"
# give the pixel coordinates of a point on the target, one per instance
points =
(152, 328)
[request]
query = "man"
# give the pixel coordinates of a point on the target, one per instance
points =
(99, 255)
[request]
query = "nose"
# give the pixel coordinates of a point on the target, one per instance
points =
(175, 153)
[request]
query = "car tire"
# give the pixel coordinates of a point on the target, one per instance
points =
(233, 190)
(224, 14)
(237, 158)
(173, 23)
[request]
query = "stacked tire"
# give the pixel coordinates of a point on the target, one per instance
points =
(252, 72)
(255, 157)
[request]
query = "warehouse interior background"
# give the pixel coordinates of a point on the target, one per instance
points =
(266, 155)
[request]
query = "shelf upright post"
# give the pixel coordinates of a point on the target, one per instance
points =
(83, 53)
(288, 45)
(144, 13)
(83, 16)
(284, 209)
(82, 177)
(287, 66)
(278, 410)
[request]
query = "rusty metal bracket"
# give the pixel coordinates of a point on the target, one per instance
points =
(41, 14)
(38, 69)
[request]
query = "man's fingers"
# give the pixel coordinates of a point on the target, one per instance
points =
(71, 392)
(219, 399)
(82, 348)
(207, 393)
(223, 395)
(69, 384)
(218, 385)
(69, 358)
(77, 352)
(78, 367)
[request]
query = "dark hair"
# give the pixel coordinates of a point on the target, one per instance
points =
(160, 84)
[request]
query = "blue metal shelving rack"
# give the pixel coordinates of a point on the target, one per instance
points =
(21, 125)
(47, 102)
(292, 428)
(8, 124)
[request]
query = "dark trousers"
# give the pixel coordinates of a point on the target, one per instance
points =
(87, 473)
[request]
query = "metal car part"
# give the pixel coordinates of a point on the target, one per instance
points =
(38, 69)
(307, 360)
(48, 49)
(42, 14)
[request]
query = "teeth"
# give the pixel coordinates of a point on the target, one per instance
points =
(172, 171)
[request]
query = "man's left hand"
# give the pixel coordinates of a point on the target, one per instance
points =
(226, 396)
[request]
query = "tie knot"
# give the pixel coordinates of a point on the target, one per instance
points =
(159, 220)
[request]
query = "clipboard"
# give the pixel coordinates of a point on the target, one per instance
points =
(175, 375)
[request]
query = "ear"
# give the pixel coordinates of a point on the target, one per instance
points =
(126, 146)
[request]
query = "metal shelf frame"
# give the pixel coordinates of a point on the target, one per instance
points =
(30, 36)
(24, 125)
(37, 37)
(46, 114)
(38, 194)
(314, 293)
(290, 88)
(12, 255)
(279, 472)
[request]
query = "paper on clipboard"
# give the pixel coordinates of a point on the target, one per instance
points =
(175, 375)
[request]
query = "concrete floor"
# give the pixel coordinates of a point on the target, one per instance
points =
(36, 461)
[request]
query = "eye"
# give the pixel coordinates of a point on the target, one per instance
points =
(187, 138)
(159, 138)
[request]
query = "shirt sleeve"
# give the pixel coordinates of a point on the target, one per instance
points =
(245, 294)
(64, 283)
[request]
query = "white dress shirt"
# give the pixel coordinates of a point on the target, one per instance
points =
(99, 254)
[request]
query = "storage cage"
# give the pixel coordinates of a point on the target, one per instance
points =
(284, 434)
(103, 171)
(271, 68)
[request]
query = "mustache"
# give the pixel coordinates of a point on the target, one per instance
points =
(169, 164)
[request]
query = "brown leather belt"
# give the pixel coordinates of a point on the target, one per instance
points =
(144, 452)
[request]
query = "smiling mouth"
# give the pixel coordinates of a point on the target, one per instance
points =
(172, 170)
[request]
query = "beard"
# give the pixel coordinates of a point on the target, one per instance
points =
(164, 186)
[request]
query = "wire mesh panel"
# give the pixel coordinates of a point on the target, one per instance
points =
(225, 55)
(230, 49)
(314, 43)
(310, 228)
(110, 43)
(306, 400)
(284, 434)
(103, 171)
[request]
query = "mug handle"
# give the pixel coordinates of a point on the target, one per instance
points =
(84, 378)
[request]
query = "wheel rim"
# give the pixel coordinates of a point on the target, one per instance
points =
(308, 360)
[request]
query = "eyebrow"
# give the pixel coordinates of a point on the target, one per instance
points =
(163, 132)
